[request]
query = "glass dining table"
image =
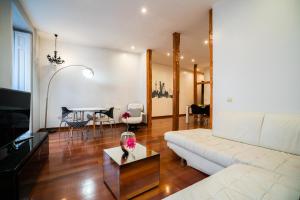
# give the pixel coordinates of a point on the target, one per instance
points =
(93, 110)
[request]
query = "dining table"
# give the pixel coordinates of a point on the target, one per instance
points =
(93, 110)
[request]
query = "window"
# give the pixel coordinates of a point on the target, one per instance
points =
(21, 71)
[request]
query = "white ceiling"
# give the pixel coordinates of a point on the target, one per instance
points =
(119, 24)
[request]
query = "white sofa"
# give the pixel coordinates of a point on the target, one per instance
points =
(268, 142)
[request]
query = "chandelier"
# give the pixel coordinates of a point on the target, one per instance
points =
(54, 59)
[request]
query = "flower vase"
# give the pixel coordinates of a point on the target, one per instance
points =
(127, 142)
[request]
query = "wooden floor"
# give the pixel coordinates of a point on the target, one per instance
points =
(74, 170)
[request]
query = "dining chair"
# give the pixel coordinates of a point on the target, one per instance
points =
(64, 117)
(79, 125)
(196, 111)
(106, 117)
(206, 115)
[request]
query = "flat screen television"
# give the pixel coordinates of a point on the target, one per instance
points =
(14, 115)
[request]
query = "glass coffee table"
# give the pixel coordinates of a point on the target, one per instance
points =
(132, 176)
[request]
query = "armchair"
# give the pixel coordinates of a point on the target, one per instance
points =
(136, 115)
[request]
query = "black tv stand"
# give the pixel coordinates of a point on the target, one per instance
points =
(17, 143)
(19, 167)
(23, 140)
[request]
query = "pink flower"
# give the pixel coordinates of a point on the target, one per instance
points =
(126, 115)
(130, 143)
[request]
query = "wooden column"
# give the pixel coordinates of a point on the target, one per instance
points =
(202, 95)
(211, 65)
(195, 84)
(176, 82)
(149, 87)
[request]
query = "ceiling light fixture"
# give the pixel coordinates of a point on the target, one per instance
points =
(168, 54)
(181, 57)
(133, 47)
(144, 10)
(193, 60)
(55, 59)
(205, 42)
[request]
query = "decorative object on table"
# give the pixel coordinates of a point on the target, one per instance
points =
(55, 59)
(127, 142)
(86, 71)
(125, 116)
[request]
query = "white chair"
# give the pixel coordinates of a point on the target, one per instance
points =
(136, 114)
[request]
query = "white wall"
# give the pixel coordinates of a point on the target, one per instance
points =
(186, 92)
(119, 79)
(200, 77)
(256, 55)
(207, 86)
(35, 85)
(163, 106)
(6, 43)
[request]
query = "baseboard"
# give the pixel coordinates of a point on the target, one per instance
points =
(162, 117)
(55, 129)
(167, 116)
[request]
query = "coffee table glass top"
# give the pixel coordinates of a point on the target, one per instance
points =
(140, 152)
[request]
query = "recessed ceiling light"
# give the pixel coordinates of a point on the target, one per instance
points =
(205, 41)
(193, 60)
(168, 54)
(181, 57)
(133, 47)
(144, 10)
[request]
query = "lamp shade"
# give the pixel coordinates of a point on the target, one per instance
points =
(88, 73)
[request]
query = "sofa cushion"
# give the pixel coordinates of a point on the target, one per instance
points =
(278, 162)
(132, 120)
(242, 182)
(241, 127)
(281, 132)
(135, 112)
(194, 160)
(226, 152)
(202, 143)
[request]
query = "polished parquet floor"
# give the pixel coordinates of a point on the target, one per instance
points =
(74, 169)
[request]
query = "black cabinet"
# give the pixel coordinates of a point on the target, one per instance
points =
(19, 167)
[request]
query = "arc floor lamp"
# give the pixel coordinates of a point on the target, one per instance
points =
(86, 71)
